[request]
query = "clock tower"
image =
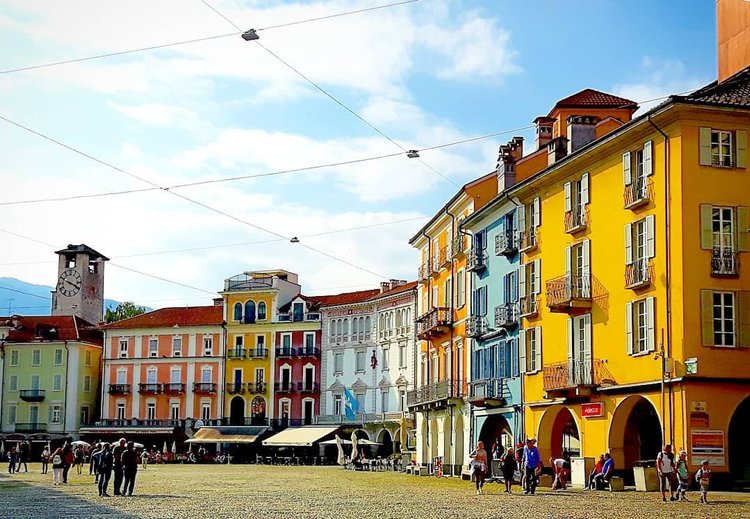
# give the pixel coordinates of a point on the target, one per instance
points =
(80, 283)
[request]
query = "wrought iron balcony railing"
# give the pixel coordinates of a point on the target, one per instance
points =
(236, 353)
(286, 352)
(476, 326)
(119, 389)
(638, 274)
(436, 392)
(174, 388)
(257, 353)
(569, 291)
(31, 427)
(31, 395)
(309, 388)
(256, 387)
(287, 387)
(528, 306)
(423, 274)
(444, 255)
(235, 388)
(528, 239)
(204, 387)
(506, 242)
(435, 321)
(482, 391)
(151, 389)
(307, 351)
(476, 261)
(639, 193)
(724, 261)
(577, 219)
(458, 245)
(506, 315)
(574, 374)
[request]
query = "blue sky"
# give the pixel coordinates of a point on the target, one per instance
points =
(426, 73)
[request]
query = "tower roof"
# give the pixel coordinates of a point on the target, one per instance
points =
(591, 98)
(82, 248)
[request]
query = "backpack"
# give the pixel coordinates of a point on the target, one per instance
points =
(56, 459)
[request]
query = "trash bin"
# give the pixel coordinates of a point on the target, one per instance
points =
(644, 473)
(580, 468)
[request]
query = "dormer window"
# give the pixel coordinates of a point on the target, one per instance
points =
(298, 310)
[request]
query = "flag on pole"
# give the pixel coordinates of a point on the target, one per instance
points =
(351, 406)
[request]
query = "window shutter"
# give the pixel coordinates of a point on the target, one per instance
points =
(741, 161)
(537, 212)
(629, 327)
(521, 218)
(628, 244)
(585, 188)
(522, 281)
(650, 324)
(707, 317)
(522, 350)
(586, 256)
(568, 268)
(648, 163)
(650, 236)
(538, 337)
(743, 318)
(707, 230)
(538, 275)
(568, 205)
(571, 349)
(743, 224)
(705, 146)
(588, 352)
(627, 178)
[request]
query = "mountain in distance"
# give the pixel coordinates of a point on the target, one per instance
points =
(22, 298)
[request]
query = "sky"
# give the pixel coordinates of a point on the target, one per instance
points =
(357, 89)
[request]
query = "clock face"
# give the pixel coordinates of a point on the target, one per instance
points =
(69, 283)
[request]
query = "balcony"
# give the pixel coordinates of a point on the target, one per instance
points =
(136, 422)
(569, 293)
(236, 353)
(174, 388)
(236, 388)
(436, 321)
(149, 389)
(724, 261)
(435, 395)
(476, 261)
(285, 352)
(306, 351)
(119, 389)
(491, 392)
(256, 387)
(423, 274)
(257, 353)
(208, 388)
(639, 274)
(309, 388)
(639, 193)
(506, 243)
(444, 256)
(577, 219)
(334, 419)
(289, 387)
(506, 315)
(528, 306)
(283, 423)
(528, 240)
(435, 266)
(575, 378)
(30, 427)
(291, 317)
(31, 395)
(476, 326)
(245, 282)
(458, 246)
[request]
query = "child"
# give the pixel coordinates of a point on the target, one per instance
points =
(703, 476)
(682, 476)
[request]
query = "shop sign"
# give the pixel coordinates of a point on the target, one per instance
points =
(707, 444)
(592, 410)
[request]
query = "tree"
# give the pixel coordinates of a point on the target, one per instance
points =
(123, 311)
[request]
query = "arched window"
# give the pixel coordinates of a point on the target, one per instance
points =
(261, 311)
(399, 319)
(339, 327)
(368, 324)
(346, 326)
(249, 312)
(355, 326)
(332, 328)
(237, 311)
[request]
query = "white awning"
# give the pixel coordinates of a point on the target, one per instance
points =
(226, 435)
(299, 436)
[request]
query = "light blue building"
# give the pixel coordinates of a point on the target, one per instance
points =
(493, 325)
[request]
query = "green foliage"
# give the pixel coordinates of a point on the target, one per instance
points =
(123, 311)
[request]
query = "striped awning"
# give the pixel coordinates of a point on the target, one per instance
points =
(299, 436)
(226, 435)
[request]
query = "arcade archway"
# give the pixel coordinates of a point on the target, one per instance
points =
(237, 411)
(739, 448)
(635, 432)
(385, 440)
(496, 428)
(558, 434)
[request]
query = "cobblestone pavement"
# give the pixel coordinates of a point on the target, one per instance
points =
(189, 491)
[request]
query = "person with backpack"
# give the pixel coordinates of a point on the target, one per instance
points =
(130, 461)
(58, 464)
(95, 456)
(665, 470)
(703, 477)
(683, 477)
(105, 461)
(117, 453)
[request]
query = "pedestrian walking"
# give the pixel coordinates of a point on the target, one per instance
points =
(479, 466)
(58, 465)
(45, 460)
(532, 461)
(78, 459)
(23, 456)
(665, 470)
(94, 463)
(703, 477)
(105, 462)
(683, 476)
(117, 453)
(129, 469)
(144, 458)
(12, 460)
(68, 460)
(509, 465)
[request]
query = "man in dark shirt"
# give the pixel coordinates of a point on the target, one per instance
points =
(104, 468)
(117, 453)
(130, 460)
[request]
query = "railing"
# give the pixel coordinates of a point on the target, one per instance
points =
(309, 388)
(506, 242)
(640, 192)
(31, 427)
(388, 416)
(282, 423)
(244, 282)
(435, 264)
(476, 260)
(286, 388)
(149, 388)
(435, 392)
(476, 326)
(257, 353)
(328, 419)
(572, 374)
(639, 273)
(506, 315)
(286, 352)
(137, 422)
(174, 388)
(31, 395)
(444, 255)
(528, 239)
(458, 245)
(235, 388)
(236, 353)
(204, 387)
(433, 321)
(290, 317)
(306, 351)
(119, 389)
(724, 261)
(246, 421)
(565, 291)
(576, 219)
(488, 389)
(256, 387)
(423, 274)
(528, 305)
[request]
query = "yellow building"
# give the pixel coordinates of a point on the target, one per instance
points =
(636, 328)
(440, 397)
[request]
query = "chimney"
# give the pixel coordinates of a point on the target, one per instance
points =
(543, 131)
(733, 36)
(218, 301)
(557, 148)
(581, 131)
(508, 155)
(385, 286)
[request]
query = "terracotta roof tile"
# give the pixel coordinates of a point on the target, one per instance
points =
(168, 317)
(346, 298)
(29, 328)
(397, 290)
(594, 99)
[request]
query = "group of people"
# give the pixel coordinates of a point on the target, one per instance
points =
(524, 459)
(120, 461)
(674, 476)
(18, 457)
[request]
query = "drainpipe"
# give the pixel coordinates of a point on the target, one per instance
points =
(668, 274)
(223, 373)
(65, 391)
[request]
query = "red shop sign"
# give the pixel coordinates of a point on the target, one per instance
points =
(593, 410)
